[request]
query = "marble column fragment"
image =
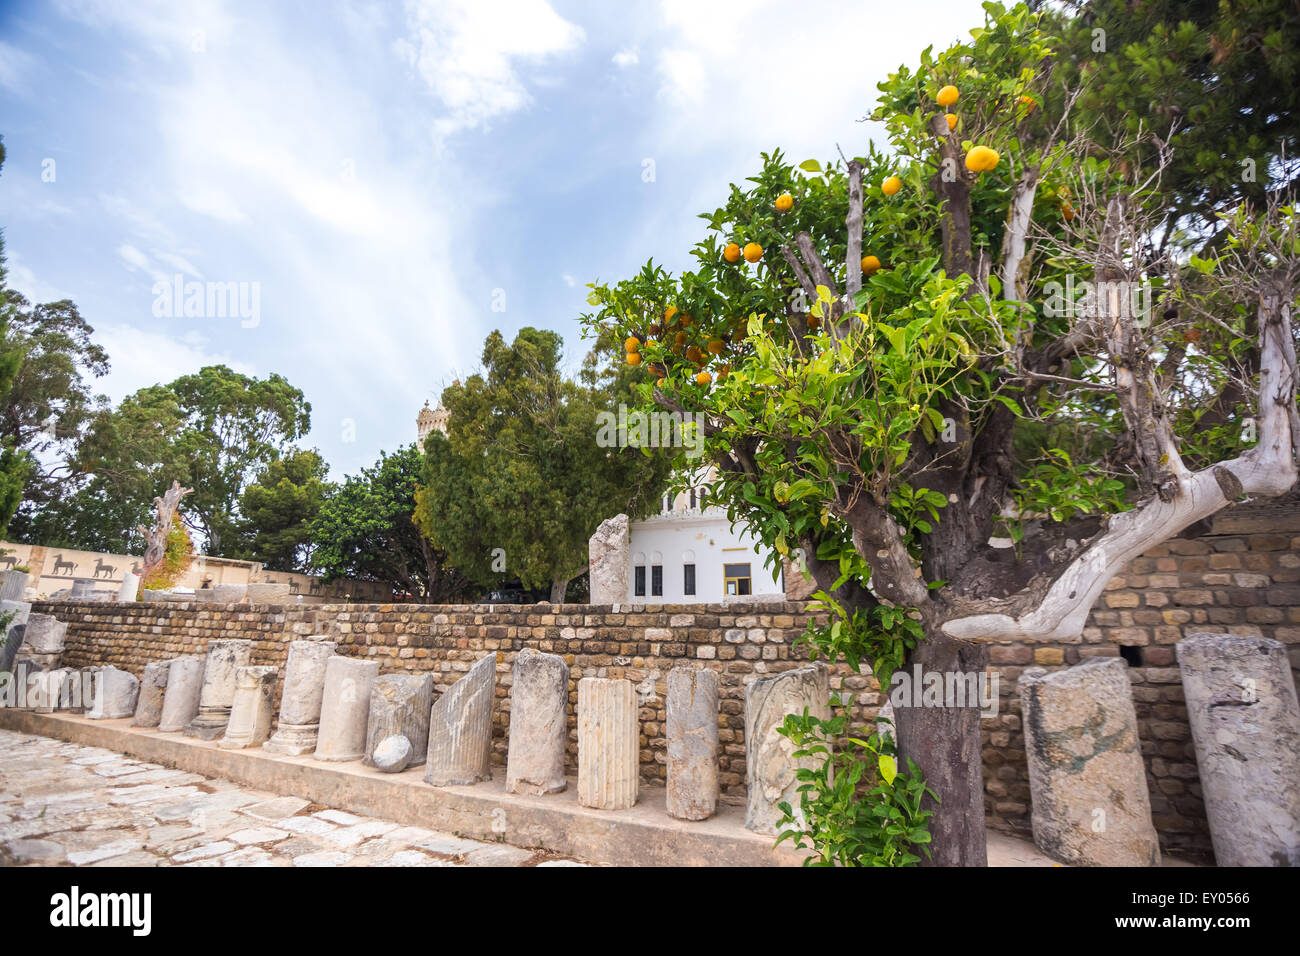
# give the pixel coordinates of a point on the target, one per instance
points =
(220, 669)
(130, 587)
(608, 737)
(392, 754)
(300, 701)
(539, 695)
(1091, 806)
(345, 707)
(1245, 719)
(250, 713)
(116, 692)
(45, 634)
(153, 689)
(181, 700)
(692, 731)
(769, 768)
(460, 728)
(399, 706)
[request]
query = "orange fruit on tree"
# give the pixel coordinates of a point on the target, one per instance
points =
(891, 185)
(753, 252)
(669, 313)
(679, 339)
(1028, 102)
(1067, 211)
(731, 253)
(693, 354)
(704, 378)
(784, 202)
(981, 159)
(659, 383)
(947, 96)
(723, 371)
(952, 120)
(813, 321)
(633, 358)
(715, 346)
(870, 264)
(632, 344)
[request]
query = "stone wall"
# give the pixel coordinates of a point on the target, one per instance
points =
(1239, 579)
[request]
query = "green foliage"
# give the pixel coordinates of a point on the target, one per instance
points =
(522, 468)
(178, 554)
(365, 531)
(880, 634)
(855, 808)
(277, 510)
(1058, 489)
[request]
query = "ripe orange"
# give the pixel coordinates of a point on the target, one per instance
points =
(813, 321)
(784, 202)
(753, 252)
(1191, 336)
(715, 346)
(1067, 211)
(659, 383)
(632, 344)
(723, 371)
(981, 159)
(870, 264)
(947, 96)
(704, 378)
(1028, 102)
(679, 339)
(891, 185)
(633, 358)
(952, 120)
(693, 354)
(731, 253)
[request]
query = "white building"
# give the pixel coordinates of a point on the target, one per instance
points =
(689, 554)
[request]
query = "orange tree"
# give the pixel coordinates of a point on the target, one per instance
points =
(931, 373)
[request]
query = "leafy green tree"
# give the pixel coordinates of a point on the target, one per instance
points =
(521, 481)
(883, 377)
(213, 431)
(277, 509)
(15, 464)
(365, 530)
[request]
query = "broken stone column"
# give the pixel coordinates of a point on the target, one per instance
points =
(392, 754)
(539, 695)
(769, 768)
(250, 713)
(300, 701)
(399, 705)
(43, 639)
(130, 587)
(608, 737)
(153, 689)
(13, 585)
(49, 689)
(220, 669)
(344, 708)
(460, 728)
(181, 700)
(608, 551)
(692, 731)
(1089, 786)
(15, 632)
(1245, 719)
(115, 694)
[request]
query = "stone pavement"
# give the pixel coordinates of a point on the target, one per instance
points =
(63, 803)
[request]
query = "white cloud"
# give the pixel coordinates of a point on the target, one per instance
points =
(137, 261)
(569, 280)
(468, 51)
(16, 68)
(625, 58)
(141, 358)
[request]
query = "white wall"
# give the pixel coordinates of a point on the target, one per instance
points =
(703, 538)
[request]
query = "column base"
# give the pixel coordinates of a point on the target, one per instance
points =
(293, 740)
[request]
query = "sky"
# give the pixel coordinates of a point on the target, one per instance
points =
(386, 183)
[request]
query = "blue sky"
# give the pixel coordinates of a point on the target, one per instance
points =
(382, 170)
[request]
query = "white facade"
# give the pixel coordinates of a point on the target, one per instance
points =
(684, 535)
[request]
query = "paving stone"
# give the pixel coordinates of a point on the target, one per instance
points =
(204, 850)
(451, 846)
(34, 851)
(338, 816)
(257, 835)
(499, 855)
(310, 825)
(276, 809)
(562, 863)
(108, 850)
(333, 858)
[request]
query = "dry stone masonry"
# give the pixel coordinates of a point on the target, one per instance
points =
(1241, 699)
(1091, 805)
